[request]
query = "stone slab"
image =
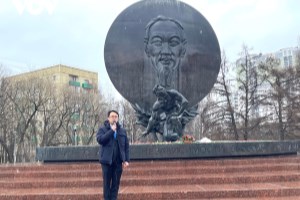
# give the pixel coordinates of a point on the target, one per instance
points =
(173, 151)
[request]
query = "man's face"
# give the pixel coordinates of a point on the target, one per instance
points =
(113, 118)
(165, 47)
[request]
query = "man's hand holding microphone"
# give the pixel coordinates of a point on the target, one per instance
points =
(114, 126)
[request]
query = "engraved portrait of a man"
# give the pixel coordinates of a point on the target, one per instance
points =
(163, 62)
(165, 46)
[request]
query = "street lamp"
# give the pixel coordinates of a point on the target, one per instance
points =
(75, 135)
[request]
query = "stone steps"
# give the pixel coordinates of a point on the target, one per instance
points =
(234, 164)
(160, 163)
(152, 172)
(244, 178)
(96, 180)
(232, 191)
(164, 170)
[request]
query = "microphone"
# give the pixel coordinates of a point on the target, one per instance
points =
(115, 133)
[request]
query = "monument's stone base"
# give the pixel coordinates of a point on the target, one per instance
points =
(173, 151)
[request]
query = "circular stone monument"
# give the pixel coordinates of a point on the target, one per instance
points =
(162, 45)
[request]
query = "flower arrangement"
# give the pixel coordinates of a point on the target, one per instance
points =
(188, 139)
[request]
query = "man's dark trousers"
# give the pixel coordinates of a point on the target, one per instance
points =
(112, 175)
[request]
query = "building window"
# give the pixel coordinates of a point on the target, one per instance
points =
(74, 81)
(73, 77)
(288, 61)
(54, 77)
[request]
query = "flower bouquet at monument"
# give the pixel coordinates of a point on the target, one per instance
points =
(188, 139)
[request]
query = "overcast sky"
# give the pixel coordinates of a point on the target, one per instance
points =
(40, 33)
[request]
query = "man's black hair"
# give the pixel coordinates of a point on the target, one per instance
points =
(111, 112)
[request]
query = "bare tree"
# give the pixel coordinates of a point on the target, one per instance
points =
(34, 113)
(280, 95)
(248, 82)
(293, 100)
(52, 115)
(93, 108)
(20, 102)
(6, 133)
(27, 98)
(212, 117)
(70, 101)
(128, 119)
(224, 89)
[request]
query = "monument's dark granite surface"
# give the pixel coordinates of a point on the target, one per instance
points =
(163, 57)
(173, 151)
(128, 59)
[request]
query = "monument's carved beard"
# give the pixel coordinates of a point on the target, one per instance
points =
(165, 76)
(165, 66)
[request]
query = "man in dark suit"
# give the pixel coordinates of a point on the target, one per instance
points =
(114, 154)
